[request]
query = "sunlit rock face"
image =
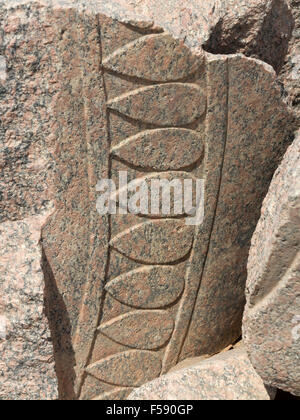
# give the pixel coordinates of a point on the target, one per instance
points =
(92, 90)
(272, 318)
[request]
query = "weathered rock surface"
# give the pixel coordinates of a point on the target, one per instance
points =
(265, 29)
(272, 315)
(257, 28)
(227, 376)
(68, 122)
(248, 164)
(290, 73)
(27, 357)
(27, 360)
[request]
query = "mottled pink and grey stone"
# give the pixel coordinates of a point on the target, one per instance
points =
(227, 376)
(70, 116)
(290, 72)
(253, 151)
(257, 28)
(271, 323)
(27, 360)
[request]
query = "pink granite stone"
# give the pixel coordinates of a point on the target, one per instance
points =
(73, 109)
(27, 361)
(227, 376)
(257, 28)
(252, 151)
(290, 72)
(272, 315)
(28, 89)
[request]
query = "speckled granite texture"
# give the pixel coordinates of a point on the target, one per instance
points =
(290, 73)
(27, 361)
(272, 315)
(265, 29)
(254, 146)
(85, 93)
(228, 376)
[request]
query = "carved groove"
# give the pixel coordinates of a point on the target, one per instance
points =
(129, 369)
(161, 58)
(160, 282)
(152, 242)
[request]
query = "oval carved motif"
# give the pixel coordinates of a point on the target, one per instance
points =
(159, 58)
(145, 330)
(171, 104)
(156, 241)
(149, 287)
(130, 368)
(171, 185)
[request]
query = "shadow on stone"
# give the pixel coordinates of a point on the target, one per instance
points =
(285, 396)
(60, 328)
(267, 41)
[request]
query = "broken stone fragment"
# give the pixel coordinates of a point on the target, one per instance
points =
(80, 110)
(272, 315)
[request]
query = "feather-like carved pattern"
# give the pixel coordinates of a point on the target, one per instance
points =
(131, 368)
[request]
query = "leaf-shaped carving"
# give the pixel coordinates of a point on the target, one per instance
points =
(149, 287)
(171, 104)
(141, 24)
(156, 241)
(159, 58)
(146, 330)
(130, 368)
(156, 185)
(162, 149)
